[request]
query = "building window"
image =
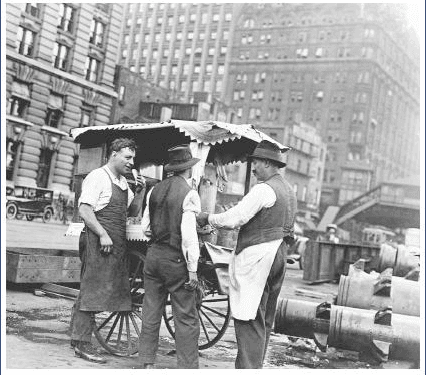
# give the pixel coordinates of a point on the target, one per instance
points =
(92, 69)
(18, 106)
(201, 36)
(248, 23)
(295, 188)
(32, 9)
(216, 17)
(213, 35)
(53, 117)
(11, 153)
(67, 17)
(60, 56)
(192, 17)
(122, 92)
(86, 117)
(197, 68)
(44, 167)
(25, 41)
(97, 33)
(204, 18)
(304, 191)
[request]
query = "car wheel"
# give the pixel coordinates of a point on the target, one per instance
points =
(29, 217)
(47, 215)
(11, 210)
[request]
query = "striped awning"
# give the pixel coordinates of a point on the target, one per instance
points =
(229, 142)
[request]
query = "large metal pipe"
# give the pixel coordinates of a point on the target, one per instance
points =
(377, 291)
(398, 258)
(381, 334)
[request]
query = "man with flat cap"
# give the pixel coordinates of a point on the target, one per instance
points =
(265, 217)
(171, 261)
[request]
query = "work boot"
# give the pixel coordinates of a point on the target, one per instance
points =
(86, 351)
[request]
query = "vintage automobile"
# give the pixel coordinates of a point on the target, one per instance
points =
(29, 201)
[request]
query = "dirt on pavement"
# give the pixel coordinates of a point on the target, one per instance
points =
(37, 337)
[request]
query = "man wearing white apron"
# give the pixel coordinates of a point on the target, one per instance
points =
(266, 220)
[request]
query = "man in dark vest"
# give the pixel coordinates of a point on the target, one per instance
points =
(265, 217)
(103, 204)
(171, 261)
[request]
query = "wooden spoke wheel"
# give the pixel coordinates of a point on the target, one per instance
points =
(214, 314)
(118, 331)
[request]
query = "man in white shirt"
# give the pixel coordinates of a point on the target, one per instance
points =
(171, 262)
(265, 217)
(103, 205)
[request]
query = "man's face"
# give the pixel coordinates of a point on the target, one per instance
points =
(123, 160)
(259, 168)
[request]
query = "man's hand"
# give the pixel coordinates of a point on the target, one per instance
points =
(106, 244)
(193, 281)
(202, 219)
(140, 184)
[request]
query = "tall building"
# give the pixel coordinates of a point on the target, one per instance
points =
(349, 70)
(60, 63)
(184, 48)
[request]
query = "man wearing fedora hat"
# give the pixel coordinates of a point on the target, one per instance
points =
(265, 217)
(171, 261)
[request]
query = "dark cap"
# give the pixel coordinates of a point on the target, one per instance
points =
(180, 158)
(270, 151)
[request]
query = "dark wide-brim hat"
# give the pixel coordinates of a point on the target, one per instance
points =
(180, 158)
(270, 151)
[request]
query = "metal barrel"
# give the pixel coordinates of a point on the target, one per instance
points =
(391, 336)
(405, 262)
(295, 317)
(378, 291)
(398, 258)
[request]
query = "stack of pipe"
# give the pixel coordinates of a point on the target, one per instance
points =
(380, 335)
(375, 314)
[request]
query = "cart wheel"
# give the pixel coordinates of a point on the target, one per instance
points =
(118, 331)
(47, 215)
(11, 210)
(29, 217)
(214, 314)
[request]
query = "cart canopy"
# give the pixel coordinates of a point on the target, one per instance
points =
(228, 142)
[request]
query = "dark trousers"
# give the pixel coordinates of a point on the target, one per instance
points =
(253, 335)
(81, 323)
(165, 272)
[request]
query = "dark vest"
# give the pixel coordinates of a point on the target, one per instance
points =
(271, 223)
(165, 211)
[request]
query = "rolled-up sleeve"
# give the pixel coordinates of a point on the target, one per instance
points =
(92, 189)
(190, 247)
(260, 196)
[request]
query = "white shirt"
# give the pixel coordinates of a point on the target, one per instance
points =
(191, 206)
(249, 270)
(96, 189)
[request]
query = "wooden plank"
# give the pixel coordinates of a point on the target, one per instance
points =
(44, 276)
(60, 290)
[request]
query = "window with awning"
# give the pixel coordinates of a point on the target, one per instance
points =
(21, 90)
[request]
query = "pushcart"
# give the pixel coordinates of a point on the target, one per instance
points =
(216, 144)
